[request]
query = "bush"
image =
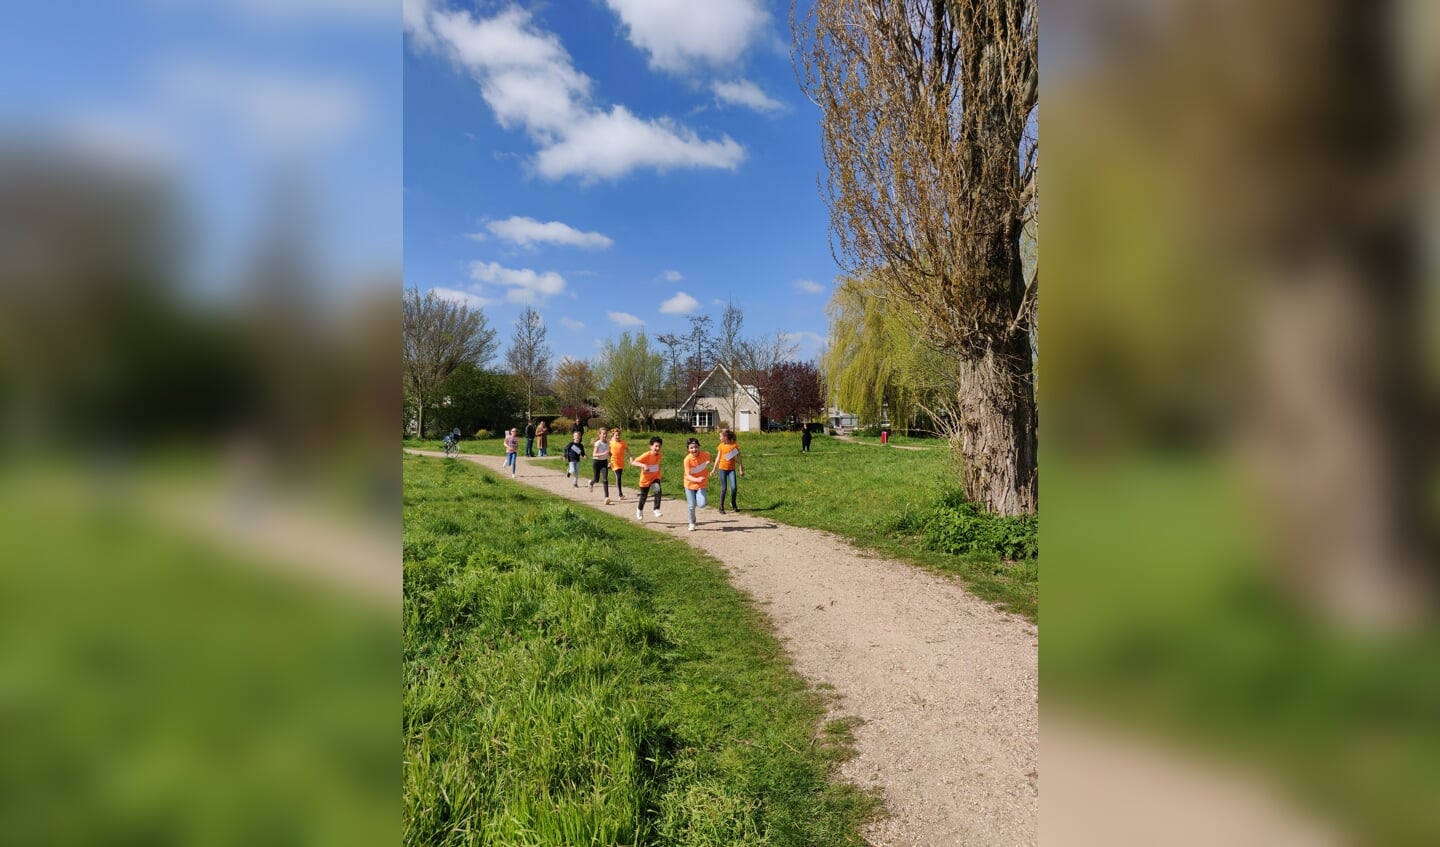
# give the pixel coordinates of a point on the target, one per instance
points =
(961, 528)
(562, 426)
(678, 425)
(483, 434)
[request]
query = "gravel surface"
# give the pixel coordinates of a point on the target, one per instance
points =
(945, 685)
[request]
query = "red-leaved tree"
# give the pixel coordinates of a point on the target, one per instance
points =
(793, 391)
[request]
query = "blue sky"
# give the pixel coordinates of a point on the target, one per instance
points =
(617, 164)
(228, 99)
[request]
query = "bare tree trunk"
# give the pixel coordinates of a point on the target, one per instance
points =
(998, 423)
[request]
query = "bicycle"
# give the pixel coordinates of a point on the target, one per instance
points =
(452, 446)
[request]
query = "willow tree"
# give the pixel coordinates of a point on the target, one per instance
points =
(927, 111)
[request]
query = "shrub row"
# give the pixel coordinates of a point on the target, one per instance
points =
(959, 527)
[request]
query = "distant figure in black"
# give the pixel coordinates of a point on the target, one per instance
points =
(529, 439)
(805, 438)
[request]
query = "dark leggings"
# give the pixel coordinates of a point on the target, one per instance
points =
(619, 489)
(644, 490)
(602, 472)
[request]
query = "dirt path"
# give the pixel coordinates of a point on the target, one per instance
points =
(945, 684)
(873, 444)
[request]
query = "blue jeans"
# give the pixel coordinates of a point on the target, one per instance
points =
(575, 471)
(694, 498)
(729, 481)
(510, 462)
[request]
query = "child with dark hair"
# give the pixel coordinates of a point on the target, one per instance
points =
(574, 452)
(649, 465)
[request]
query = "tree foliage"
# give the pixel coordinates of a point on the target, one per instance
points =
(529, 356)
(631, 374)
(793, 391)
(930, 160)
(480, 399)
(574, 383)
(438, 336)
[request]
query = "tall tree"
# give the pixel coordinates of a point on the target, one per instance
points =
(438, 336)
(575, 385)
(927, 108)
(631, 374)
(529, 356)
(701, 358)
(761, 356)
(793, 391)
(673, 345)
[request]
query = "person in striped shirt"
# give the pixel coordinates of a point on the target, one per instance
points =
(728, 463)
(650, 470)
(697, 477)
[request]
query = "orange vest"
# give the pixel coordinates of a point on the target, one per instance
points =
(651, 472)
(697, 464)
(618, 449)
(727, 454)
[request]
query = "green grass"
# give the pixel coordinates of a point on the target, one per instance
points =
(573, 679)
(876, 498)
(1165, 618)
(158, 689)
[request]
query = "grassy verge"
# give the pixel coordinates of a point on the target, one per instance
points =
(1168, 620)
(573, 679)
(874, 497)
(160, 689)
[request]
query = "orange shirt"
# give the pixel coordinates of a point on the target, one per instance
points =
(697, 464)
(651, 472)
(618, 451)
(728, 454)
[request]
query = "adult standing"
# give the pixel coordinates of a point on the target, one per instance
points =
(542, 434)
(805, 437)
(529, 439)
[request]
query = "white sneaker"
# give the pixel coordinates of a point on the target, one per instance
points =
(656, 513)
(607, 501)
(639, 516)
(692, 527)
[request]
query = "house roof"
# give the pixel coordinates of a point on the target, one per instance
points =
(751, 390)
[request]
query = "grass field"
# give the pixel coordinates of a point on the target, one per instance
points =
(870, 495)
(1172, 623)
(157, 688)
(570, 678)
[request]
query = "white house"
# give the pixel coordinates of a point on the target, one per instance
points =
(719, 400)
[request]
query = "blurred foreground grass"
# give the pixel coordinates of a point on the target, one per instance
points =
(1165, 624)
(160, 684)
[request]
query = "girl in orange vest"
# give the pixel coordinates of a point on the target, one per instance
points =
(619, 454)
(728, 463)
(697, 477)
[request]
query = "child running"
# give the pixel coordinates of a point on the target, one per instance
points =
(600, 461)
(729, 465)
(619, 453)
(512, 443)
(649, 465)
(697, 477)
(574, 452)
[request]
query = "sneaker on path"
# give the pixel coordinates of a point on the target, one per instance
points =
(639, 516)
(722, 510)
(592, 485)
(656, 513)
(607, 501)
(692, 527)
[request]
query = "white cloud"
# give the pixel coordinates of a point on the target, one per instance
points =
(808, 344)
(611, 144)
(464, 298)
(624, 319)
(680, 304)
(679, 35)
(570, 323)
(274, 109)
(809, 286)
(672, 276)
(745, 93)
(529, 81)
(525, 286)
(528, 231)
